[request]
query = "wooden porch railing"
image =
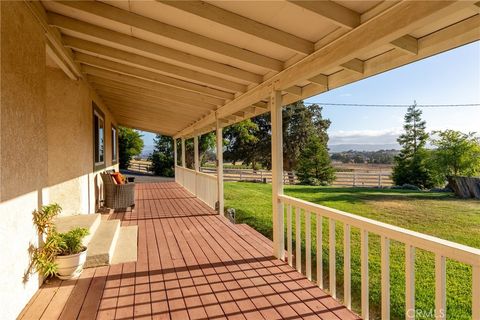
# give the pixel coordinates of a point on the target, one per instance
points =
(202, 185)
(442, 249)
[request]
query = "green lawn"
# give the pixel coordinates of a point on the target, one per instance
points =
(437, 214)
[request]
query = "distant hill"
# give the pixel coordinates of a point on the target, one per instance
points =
(377, 156)
(147, 151)
(362, 147)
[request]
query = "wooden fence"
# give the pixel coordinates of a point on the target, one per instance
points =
(343, 179)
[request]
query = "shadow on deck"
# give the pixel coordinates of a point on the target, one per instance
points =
(192, 264)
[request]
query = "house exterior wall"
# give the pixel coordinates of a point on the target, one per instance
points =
(46, 148)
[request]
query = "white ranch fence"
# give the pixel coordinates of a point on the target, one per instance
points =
(202, 185)
(343, 179)
(442, 250)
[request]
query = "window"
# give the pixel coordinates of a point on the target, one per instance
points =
(114, 144)
(98, 137)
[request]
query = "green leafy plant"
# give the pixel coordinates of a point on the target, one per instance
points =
(71, 242)
(43, 218)
(55, 243)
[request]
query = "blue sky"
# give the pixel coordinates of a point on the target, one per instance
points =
(452, 77)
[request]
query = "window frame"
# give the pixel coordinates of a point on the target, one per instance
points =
(114, 138)
(97, 113)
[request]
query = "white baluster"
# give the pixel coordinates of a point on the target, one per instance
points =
(410, 282)
(308, 245)
(289, 234)
(364, 274)
(331, 259)
(347, 268)
(440, 287)
(298, 243)
(385, 251)
(319, 251)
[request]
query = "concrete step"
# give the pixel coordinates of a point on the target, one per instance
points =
(102, 245)
(126, 248)
(89, 221)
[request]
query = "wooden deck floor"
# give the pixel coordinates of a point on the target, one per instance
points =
(192, 264)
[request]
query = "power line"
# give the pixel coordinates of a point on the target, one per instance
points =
(394, 105)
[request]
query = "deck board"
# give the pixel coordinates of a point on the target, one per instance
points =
(192, 264)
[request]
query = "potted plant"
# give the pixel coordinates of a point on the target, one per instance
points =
(62, 254)
(71, 253)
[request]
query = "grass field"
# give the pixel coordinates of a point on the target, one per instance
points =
(437, 214)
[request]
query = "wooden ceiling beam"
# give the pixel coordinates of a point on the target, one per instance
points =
(54, 46)
(127, 93)
(320, 79)
(180, 93)
(400, 19)
(331, 11)
(154, 105)
(243, 24)
(143, 46)
(355, 65)
(173, 72)
(141, 124)
(407, 44)
(153, 92)
(143, 110)
(295, 90)
(131, 19)
(102, 63)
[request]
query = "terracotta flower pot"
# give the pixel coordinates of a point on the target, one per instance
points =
(70, 267)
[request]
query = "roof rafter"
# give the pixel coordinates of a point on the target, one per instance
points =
(129, 93)
(400, 19)
(113, 93)
(145, 107)
(407, 44)
(241, 23)
(147, 90)
(144, 46)
(154, 26)
(332, 11)
(355, 65)
(180, 93)
(150, 75)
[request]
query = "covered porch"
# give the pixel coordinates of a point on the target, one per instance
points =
(192, 264)
(74, 71)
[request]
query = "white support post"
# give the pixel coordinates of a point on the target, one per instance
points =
(195, 152)
(183, 153)
(175, 155)
(220, 169)
(277, 172)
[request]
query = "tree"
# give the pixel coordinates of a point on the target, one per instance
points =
(250, 141)
(162, 156)
(456, 154)
(314, 167)
(411, 164)
(130, 144)
(205, 143)
(299, 123)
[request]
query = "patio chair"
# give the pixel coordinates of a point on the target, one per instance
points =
(117, 196)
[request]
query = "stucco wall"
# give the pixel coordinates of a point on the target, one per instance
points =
(70, 143)
(46, 148)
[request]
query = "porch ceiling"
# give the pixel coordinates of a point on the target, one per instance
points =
(176, 67)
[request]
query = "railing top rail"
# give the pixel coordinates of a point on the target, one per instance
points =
(211, 176)
(449, 249)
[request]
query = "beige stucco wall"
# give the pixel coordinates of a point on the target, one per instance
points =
(70, 143)
(46, 148)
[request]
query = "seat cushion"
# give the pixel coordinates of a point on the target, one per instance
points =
(118, 178)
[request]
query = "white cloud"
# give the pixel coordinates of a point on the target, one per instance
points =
(386, 136)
